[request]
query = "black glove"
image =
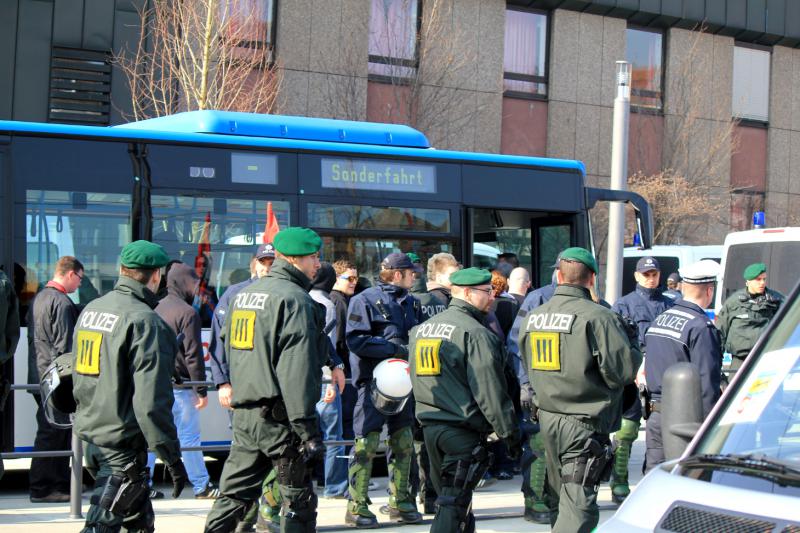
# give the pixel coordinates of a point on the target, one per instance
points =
(314, 450)
(179, 477)
(401, 349)
(514, 446)
(526, 398)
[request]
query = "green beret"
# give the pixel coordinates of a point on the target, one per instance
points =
(469, 277)
(413, 257)
(297, 241)
(580, 255)
(754, 270)
(143, 254)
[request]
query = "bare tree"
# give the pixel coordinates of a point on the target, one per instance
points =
(422, 72)
(691, 190)
(200, 54)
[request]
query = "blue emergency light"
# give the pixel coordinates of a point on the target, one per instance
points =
(758, 219)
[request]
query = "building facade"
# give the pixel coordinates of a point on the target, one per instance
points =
(716, 84)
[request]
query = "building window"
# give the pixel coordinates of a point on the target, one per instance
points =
(250, 23)
(525, 54)
(393, 29)
(644, 51)
(751, 83)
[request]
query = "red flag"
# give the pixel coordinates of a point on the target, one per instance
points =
(203, 246)
(271, 227)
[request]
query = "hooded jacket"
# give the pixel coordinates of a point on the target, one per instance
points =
(176, 310)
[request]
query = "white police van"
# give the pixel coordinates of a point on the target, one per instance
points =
(741, 471)
(778, 248)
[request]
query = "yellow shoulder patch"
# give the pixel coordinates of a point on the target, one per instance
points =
(87, 352)
(243, 325)
(545, 350)
(426, 357)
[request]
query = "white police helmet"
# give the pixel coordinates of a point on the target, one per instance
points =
(391, 386)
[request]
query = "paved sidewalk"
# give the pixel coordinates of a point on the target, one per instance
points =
(497, 508)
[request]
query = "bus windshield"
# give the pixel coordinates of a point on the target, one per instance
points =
(759, 426)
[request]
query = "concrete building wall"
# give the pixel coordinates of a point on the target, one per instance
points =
(584, 49)
(783, 139)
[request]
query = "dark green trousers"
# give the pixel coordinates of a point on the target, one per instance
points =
(574, 506)
(101, 463)
(256, 444)
(446, 446)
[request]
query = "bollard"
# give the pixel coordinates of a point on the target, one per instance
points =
(681, 408)
(76, 482)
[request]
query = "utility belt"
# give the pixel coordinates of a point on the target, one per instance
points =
(269, 408)
(593, 465)
(125, 491)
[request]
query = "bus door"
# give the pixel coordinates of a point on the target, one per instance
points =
(536, 237)
(367, 230)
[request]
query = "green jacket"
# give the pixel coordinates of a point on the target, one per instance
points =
(457, 372)
(579, 357)
(743, 318)
(9, 319)
(122, 372)
(274, 337)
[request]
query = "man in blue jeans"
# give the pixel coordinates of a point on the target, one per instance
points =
(329, 406)
(177, 312)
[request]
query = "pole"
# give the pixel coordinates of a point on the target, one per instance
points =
(619, 181)
(76, 481)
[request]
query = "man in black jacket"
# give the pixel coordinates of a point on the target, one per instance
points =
(51, 319)
(177, 312)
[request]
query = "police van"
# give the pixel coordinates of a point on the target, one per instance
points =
(741, 471)
(778, 248)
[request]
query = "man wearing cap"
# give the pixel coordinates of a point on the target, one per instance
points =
(640, 306)
(124, 360)
(683, 333)
(457, 372)
(378, 322)
(276, 346)
(673, 286)
(746, 313)
(580, 356)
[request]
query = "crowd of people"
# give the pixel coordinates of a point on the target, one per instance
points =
(506, 379)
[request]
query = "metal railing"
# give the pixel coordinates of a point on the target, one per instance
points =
(76, 453)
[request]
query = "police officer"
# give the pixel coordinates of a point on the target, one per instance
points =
(580, 357)
(9, 336)
(124, 357)
(534, 473)
(378, 323)
(457, 372)
(746, 313)
(276, 346)
(683, 333)
(640, 306)
(673, 286)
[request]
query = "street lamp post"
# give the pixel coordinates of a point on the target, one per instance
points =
(619, 181)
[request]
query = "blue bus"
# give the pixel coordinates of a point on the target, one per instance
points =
(202, 181)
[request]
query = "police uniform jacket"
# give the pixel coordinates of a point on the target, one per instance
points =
(743, 317)
(9, 319)
(378, 322)
(580, 358)
(642, 306)
(684, 333)
(429, 304)
(122, 346)
(220, 373)
(276, 346)
(457, 372)
(532, 300)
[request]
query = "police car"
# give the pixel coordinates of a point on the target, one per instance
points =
(741, 471)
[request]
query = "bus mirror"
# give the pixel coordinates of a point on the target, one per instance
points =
(644, 217)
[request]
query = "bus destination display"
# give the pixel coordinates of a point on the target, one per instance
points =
(258, 169)
(377, 175)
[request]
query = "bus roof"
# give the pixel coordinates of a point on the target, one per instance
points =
(284, 132)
